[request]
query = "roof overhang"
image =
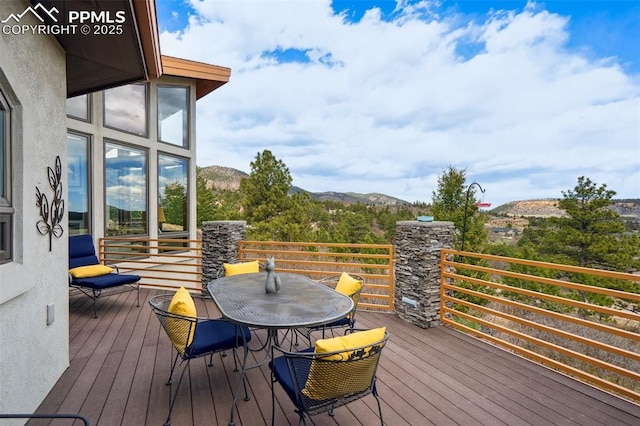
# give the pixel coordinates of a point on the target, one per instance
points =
(99, 61)
(208, 77)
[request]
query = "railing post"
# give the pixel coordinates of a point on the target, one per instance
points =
(219, 245)
(417, 270)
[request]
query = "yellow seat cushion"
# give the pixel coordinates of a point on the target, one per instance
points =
(177, 328)
(328, 379)
(348, 285)
(90, 271)
(241, 268)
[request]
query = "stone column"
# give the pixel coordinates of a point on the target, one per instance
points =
(220, 245)
(417, 270)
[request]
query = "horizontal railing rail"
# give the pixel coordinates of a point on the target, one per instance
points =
(161, 262)
(374, 262)
(581, 321)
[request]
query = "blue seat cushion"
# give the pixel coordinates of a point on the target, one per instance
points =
(216, 335)
(339, 323)
(282, 375)
(81, 251)
(106, 281)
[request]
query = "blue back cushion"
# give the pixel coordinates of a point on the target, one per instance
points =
(81, 251)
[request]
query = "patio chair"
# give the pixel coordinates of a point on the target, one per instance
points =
(336, 372)
(349, 285)
(91, 277)
(193, 337)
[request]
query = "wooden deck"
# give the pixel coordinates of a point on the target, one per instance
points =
(120, 362)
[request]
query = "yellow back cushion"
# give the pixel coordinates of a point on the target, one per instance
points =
(334, 379)
(181, 304)
(90, 271)
(348, 285)
(241, 268)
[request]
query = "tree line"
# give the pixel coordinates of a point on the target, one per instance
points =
(591, 235)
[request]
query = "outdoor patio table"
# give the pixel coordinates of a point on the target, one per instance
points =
(301, 302)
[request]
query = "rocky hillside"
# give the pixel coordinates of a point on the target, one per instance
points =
(548, 207)
(530, 208)
(219, 178)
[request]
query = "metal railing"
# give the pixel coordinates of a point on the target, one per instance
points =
(374, 262)
(161, 262)
(581, 321)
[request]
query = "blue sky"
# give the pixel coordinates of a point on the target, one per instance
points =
(383, 96)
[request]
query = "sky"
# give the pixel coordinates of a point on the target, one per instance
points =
(376, 96)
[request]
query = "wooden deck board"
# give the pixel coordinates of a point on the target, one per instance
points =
(120, 363)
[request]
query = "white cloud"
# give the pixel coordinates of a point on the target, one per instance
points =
(401, 100)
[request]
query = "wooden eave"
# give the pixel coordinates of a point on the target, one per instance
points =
(147, 22)
(208, 77)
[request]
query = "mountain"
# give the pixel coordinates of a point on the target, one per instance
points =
(629, 208)
(530, 208)
(218, 177)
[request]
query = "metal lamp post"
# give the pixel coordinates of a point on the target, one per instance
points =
(466, 205)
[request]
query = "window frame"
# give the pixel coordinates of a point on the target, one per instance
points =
(186, 142)
(133, 147)
(185, 231)
(147, 105)
(89, 138)
(6, 209)
(89, 110)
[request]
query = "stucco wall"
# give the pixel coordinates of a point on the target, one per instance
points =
(33, 354)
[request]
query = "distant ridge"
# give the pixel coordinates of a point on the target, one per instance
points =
(547, 207)
(227, 178)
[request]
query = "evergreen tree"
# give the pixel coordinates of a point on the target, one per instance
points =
(265, 190)
(591, 233)
(449, 205)
(205, 200)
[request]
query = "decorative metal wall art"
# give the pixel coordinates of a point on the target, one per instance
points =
(53, 213)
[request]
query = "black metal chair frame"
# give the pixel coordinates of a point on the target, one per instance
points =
(333, 281)
(299, 365)
(159, 305)
(46, 416)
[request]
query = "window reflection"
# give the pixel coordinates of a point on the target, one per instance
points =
(125, 108)
(172, 199)
(126, 190)
(78, 178)
(173, 120)
(78, 107)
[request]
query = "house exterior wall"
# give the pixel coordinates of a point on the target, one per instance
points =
(33, 354)
(150, 144)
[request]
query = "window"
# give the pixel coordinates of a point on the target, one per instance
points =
(6, 210)
(173, 117)
(79, 107)
(125, 190)
(173, 175)
(125, 108)
(78, 203)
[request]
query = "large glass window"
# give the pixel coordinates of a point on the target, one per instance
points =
(125, 108)
(173, 117)
(173, 175)
(125, 189)
(6, 210)
(79, 206)
(79, 107)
